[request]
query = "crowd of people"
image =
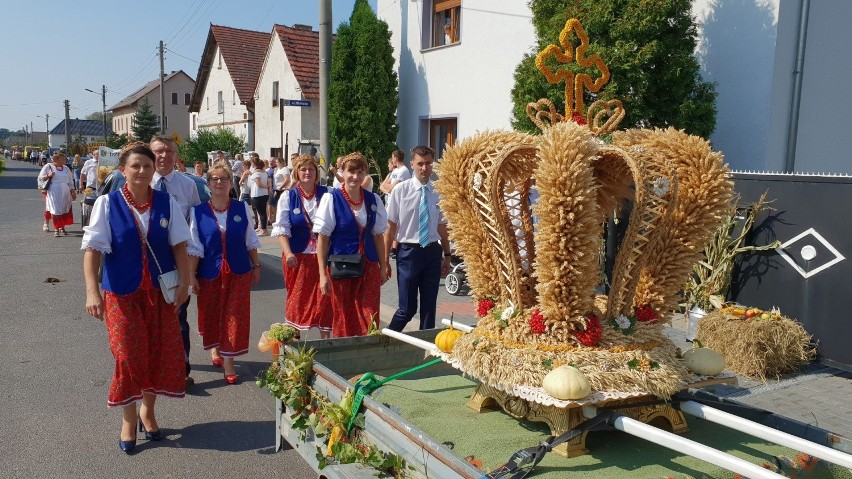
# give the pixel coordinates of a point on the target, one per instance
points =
(159, 243)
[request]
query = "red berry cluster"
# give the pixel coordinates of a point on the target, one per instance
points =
(592, 334)
(537, 322)
(578, 119)
(484, 307)
(646, 314)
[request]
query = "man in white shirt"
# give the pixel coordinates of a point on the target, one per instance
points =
(398, 172)
(415, 221)
(183, 190)
(89, 173)
(237, 171)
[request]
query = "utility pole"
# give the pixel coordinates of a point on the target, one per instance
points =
(103, 99)
(67, 123)
(162, 93)
(47, 124)
(324, 63)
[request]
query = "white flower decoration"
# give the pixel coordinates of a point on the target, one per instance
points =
(661, 186)
(639, 149)
(623, 322)
(477, 180)
(507, 313)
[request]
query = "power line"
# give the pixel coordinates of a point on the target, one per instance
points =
(33, 103)
(179, 22)
(260, 25)
(214, 5)
(182, 56)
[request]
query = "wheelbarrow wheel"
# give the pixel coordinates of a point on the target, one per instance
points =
(452, 283)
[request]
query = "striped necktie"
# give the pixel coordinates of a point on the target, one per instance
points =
(423, 218)
(161, 184)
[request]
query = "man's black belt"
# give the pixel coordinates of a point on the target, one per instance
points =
(417, 245)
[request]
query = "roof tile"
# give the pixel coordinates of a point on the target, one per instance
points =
(243, 52)
(302, 49)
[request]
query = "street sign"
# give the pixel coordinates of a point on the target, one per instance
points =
(298, 102)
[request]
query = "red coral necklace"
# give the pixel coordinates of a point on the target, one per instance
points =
(217, 210)
(349, 200)
(305, 196)
(140, 208)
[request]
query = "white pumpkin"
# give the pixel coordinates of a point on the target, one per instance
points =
(704, 361)
(566, 382)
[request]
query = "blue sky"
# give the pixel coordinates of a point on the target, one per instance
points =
(54, 49)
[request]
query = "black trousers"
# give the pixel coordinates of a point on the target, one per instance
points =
(258, 204)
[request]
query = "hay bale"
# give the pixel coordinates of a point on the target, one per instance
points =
(754, 347)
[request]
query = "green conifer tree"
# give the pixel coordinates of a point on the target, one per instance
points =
(146, 124)
(363, 94)
(649, 49)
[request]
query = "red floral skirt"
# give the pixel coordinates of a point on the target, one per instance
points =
(144, 337)
(224, 312)
(306, 307)
(355, 302)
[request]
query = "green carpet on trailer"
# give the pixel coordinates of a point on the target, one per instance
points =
(437, 406)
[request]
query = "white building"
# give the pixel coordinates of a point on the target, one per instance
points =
(226, 81)
(290, 72)
(178, 87)
(455, 61)
(774, 62)
(91, 131)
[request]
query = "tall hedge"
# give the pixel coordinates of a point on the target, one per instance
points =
(363, 88)
(649, 48)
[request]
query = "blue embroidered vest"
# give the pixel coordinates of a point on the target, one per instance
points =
(210, 265)
(344, 238)
(123, 267)
(300, 231)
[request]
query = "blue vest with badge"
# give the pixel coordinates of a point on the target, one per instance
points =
(344, 238)
(123, 267)
(300, 230)
(210, 236)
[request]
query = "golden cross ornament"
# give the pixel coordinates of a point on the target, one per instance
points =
(565, 53)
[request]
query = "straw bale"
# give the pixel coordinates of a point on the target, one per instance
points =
(757, 348)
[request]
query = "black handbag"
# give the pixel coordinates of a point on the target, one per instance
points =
(346, 265)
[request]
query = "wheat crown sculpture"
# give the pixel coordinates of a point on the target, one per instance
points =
(528, 215)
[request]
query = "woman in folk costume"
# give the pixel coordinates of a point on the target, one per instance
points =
(140, 233)
(351, 220)
(60, 194)
(224, 266)
(306, 306)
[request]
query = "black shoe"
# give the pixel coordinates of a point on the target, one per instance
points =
(189, 382)
(152, 435)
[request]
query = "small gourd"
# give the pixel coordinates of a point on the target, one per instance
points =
(704, 361)
(566, 382)
(446, 339)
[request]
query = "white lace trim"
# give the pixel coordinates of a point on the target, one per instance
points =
(100, 247)
(538, 395)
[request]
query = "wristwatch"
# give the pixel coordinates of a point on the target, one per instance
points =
(447, 255)
(255, 266)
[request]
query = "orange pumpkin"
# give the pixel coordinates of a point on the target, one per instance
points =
(446, 339)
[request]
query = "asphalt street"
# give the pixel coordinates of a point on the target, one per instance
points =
(54, 421)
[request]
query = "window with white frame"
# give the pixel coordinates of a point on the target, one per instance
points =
(174, 98)
(221, 105)
(275, 93)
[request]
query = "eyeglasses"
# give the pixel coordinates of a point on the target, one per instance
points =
(218, 179)
(163, 152)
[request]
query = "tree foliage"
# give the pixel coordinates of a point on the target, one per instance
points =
(115, 140)
(98, 116)
(649, 49)
(196, 148)
(363, 94)
(146, 124)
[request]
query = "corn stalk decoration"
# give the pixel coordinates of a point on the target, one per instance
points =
(710, 282)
